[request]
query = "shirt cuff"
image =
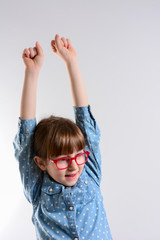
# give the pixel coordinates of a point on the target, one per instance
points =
(26, 126)
(83, 112)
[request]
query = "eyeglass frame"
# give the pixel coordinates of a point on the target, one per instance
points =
(70, 159)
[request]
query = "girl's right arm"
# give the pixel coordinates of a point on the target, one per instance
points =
(31, 175)
(33, 59)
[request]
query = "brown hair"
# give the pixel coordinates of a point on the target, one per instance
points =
(55, 136)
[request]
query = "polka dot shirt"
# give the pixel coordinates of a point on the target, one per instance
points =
(59, 212)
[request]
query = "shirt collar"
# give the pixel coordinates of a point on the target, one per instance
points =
(50, 186)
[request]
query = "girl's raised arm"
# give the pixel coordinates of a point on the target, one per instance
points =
(33, 60)
(63, 48)
(79, 95)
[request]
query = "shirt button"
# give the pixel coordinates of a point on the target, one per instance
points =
(50, 189)
(85, 182)
(71, 208)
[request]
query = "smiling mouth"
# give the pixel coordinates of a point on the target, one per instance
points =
(71, 175)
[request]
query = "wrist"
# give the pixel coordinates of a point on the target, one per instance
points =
(32, 72)
(72, 61)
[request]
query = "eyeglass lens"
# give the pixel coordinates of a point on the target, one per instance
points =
(64, 163)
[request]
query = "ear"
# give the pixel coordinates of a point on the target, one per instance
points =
(41, 163)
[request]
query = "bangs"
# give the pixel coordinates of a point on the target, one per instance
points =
(65, 139)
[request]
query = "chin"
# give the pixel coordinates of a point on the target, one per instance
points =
(71, 182)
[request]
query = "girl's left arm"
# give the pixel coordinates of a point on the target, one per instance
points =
(89, 127)
(84, 118)
(63, 48)
(78, 90)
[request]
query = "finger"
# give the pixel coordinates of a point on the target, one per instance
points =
(64, 41)
(31, 52)
(58, 42)
(35, 51)
(53, 45)
(39, 49)
(26, 53)
(68, 43)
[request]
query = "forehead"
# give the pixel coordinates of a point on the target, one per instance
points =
(75, 152)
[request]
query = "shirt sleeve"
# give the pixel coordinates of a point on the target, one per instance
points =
(87, 123)
(31, 174)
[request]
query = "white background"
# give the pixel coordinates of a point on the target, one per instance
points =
(118, 48)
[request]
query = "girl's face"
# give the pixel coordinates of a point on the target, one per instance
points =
(69, 176)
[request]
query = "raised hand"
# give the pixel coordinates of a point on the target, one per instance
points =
(33, 57)
(62, 47)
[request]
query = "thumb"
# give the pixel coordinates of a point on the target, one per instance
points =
(39, 49)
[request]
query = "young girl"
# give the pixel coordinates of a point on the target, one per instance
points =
(59, 160)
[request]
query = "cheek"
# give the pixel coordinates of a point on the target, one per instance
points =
(59, 173)
(81, 168)
(56, 174)
(53, 171)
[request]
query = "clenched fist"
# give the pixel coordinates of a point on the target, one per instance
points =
(33, 57)
(62, 47)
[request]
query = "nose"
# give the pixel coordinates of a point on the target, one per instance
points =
(73, 165)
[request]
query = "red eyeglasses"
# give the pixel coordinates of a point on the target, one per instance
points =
(65, 162)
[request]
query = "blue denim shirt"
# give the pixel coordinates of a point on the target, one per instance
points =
(59, 212)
